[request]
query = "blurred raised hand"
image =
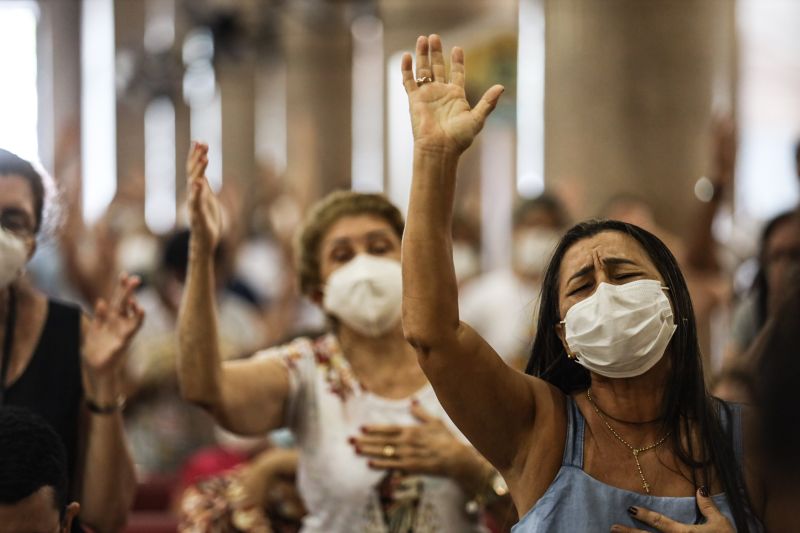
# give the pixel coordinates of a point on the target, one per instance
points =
(109, 332)
(205, 212)
(441, 117)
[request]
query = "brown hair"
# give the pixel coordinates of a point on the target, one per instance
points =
(323, 215)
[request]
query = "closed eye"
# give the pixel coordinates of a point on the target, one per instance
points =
(628, 275)
(579, 289)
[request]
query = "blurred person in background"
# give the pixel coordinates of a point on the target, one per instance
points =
(699, 256)
(778, 258)
(34, 477)
(259, 496)
(62, 364)
(162, 429)
(466, 249)
(773, 385)
(501, 304)
(376, 451)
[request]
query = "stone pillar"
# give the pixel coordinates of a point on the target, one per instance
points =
(318, 79)
(236, 80)
(629, 87)
(129, 28)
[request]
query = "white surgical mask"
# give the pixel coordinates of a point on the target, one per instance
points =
(13, 256)
(621, 331)
(366, 294)
(465, 261)
(533, 248)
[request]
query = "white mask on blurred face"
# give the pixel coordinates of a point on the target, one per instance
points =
(621, 331)
(13, 256)
(465, 261)
(533, 248)
(366, 294)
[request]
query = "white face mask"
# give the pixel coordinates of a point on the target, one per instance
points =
(13, 256)
(366, 294)
(621, 331)
(533, 249)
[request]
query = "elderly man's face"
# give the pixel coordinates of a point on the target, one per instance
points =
(36, 514)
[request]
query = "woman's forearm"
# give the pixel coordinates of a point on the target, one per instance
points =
(430, 292)
(199, 360)
(109, 478)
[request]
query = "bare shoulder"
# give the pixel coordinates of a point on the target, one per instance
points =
(541, 455)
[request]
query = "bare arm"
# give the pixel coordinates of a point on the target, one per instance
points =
(108, 480)
(246, 397)
(492, 404)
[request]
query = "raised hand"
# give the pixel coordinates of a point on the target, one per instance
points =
(441, 117)
(110, 330)
(205, 214)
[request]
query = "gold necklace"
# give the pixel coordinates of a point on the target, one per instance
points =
(635, 451)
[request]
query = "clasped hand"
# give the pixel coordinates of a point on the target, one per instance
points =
(427, 448)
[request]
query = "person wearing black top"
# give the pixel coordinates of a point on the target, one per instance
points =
(62, 364)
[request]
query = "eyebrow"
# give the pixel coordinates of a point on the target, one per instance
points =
(608, 261)
(374, 233)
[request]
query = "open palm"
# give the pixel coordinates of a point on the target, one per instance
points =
(205, 213)
(112, 327)
(441, 117)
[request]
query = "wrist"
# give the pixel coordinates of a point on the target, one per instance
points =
(102, 389)
(437, 151)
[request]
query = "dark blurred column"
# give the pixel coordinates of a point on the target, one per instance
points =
(628, 97)
(318, 76)
(236, 80)
(129, 30)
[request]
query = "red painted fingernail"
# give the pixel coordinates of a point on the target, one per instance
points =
(704, 491)
(363, 429)
(351, 440)
(632, 511)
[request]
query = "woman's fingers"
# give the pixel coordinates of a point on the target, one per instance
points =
(710, 511)
(423, 61)
(617, 528)
(376, 440)
(421, 414)
(384, 430)
(457, 69)
(437, 59)
(407, 68)
(653, 519)
(486, 105)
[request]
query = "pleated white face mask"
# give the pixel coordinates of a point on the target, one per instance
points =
(366, 294)
(13, 256)
(621, 331)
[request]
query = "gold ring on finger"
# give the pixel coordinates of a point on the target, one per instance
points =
(657, 520)
(389, 451)
(423, 80)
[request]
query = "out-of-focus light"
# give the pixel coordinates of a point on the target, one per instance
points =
(198, 45)
(704, 189)
(205, 124)
(18, 93)
(401, 139)
(530, 99)
(98, 107)
(159, 32)
(159, 165)
(367, 104)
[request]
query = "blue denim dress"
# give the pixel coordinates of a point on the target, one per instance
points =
(576, 502)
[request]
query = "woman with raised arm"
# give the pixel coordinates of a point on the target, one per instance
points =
(62, 364)
(613, 415)
(377, 454)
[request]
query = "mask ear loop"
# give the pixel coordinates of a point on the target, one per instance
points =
(570, 355)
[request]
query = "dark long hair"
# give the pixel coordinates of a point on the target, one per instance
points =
(760, 286)
(687, 403)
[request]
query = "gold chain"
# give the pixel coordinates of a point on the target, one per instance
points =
(635, 451)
